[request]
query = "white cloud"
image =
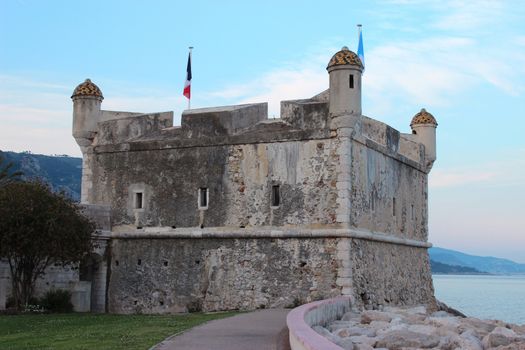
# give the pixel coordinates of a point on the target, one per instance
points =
(300, 79)
(505, 169)
(469, 15)
(38, 139)
(459, 177)
(37, 116)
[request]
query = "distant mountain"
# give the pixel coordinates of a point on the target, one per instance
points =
(488, 264)
(61, 172)
(440, 268)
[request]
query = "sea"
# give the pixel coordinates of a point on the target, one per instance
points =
(498, 297)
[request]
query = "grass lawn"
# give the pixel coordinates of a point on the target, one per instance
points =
(94, 331)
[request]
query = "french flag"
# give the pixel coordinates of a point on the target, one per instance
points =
(187, 84)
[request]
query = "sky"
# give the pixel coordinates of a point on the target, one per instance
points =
(464, 61)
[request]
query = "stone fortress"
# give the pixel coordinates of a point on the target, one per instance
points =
(232, 210)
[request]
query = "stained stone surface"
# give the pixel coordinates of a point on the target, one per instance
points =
(180, 275)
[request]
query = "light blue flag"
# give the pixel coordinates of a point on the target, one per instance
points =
(360, 51)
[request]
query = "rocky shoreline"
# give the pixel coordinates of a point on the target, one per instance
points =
(414, 328)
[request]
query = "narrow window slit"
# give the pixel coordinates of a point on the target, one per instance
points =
(203, 198)
(351, 81)
(394, 206)
(276, 197)
(139, 200)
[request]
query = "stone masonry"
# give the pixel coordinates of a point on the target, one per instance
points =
(232, 210)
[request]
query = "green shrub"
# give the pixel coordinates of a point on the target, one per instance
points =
(57, 300)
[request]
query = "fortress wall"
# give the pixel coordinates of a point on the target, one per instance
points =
(166, 275)
(177, 275)
(239, 179)
(389, 193)
(390, 274)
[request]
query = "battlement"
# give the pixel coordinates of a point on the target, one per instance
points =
(300, 120)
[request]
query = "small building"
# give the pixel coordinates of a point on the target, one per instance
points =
(232, 210)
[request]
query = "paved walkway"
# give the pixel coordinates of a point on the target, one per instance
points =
(258, 330)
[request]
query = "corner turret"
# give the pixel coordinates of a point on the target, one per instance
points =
(87, 99)
(345, 69)
(424, 130)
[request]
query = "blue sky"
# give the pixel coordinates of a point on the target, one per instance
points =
(464, 61)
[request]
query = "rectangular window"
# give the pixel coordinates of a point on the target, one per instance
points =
(139, 200)
(203, 198)
(412, 213)
(351, 81)
(276, 196)
(394, 206)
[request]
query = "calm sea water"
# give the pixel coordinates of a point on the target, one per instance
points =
(487, 297)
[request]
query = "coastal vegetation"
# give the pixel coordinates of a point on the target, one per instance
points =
(7, 173)
(39, 228)
(61, 172)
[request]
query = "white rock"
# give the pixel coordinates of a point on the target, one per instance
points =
(351, 315)
(346, 344)
(423, 329)
(374, 315)
(482, 327)
(440, 314)
(352, 331)
(336, 325)
(500, 336)
(418, 310)
(450, 323)
(362, 347)
(362, 339)
(379, 325)
(468, 341)
(404, 339)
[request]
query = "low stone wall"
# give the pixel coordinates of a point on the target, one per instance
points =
(303, 319)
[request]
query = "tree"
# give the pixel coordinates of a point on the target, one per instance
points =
(6, 176)
(39, 228)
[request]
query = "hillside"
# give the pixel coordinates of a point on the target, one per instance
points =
(488, 264)
(440, 268)
(62, 173)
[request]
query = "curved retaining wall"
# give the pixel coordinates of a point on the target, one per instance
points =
(301, 320)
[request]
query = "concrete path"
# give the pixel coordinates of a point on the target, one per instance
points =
(258, 330)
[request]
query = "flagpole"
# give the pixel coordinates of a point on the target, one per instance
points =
(189, 99)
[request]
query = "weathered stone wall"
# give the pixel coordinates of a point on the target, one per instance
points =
(385, 274)
(239, 179)
(175, 275)
(389, 194)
